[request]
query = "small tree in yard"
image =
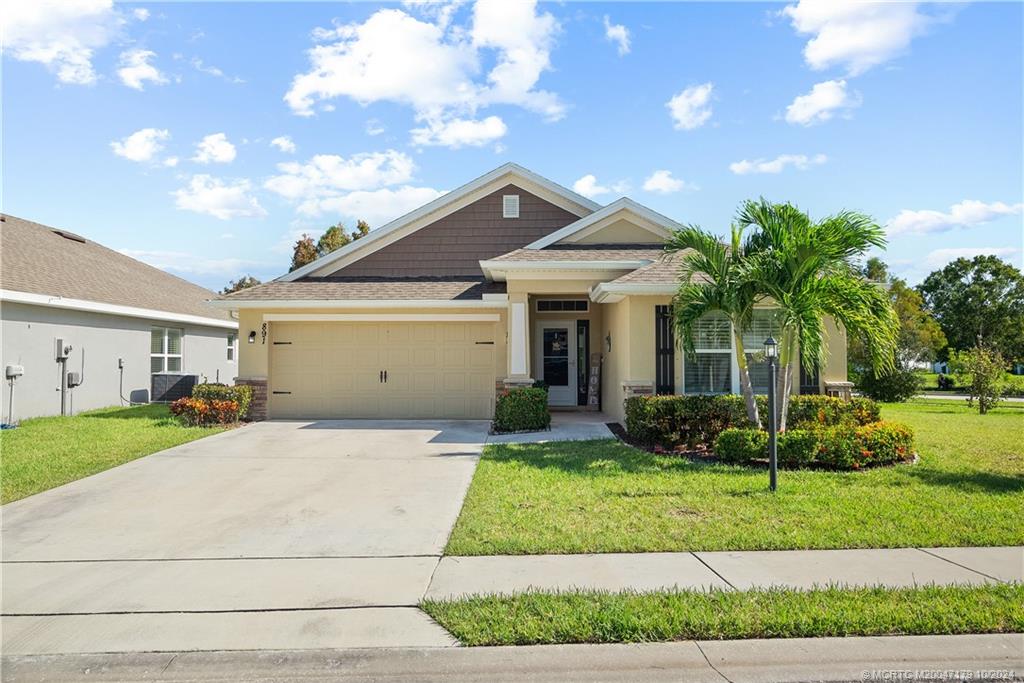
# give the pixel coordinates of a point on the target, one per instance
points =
(244, 282)
(984, 368)
(333, 238)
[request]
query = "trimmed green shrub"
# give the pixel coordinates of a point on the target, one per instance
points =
(741, 446)
(884, 443)
(522, 409)
(669, 421)
(798, 447)
(902, 384)
(240, 394)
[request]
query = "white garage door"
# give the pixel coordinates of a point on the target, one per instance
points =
(382, 370)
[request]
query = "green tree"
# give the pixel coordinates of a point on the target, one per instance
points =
(244, 282)
(303, 253)
(980, 296)
(333, 238)
(920, 337)
(807, 269)
(984, 368)
(362, 229)
(714, 277)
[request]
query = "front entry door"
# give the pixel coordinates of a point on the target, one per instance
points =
(556, 351)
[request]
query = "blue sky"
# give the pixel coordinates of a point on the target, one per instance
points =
(149, 127)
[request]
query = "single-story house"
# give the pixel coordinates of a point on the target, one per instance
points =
(124, 327)
(507, 280)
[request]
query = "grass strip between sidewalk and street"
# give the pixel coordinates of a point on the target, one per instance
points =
(602, 617)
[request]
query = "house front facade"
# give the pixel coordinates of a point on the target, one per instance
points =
(506, 281)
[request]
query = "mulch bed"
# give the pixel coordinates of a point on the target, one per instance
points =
(699, 454)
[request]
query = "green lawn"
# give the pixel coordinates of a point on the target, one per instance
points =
(603, 496)
(593, 617)
(49, 451)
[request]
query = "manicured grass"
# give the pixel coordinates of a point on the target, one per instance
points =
(603, 496)
(49, 451)
(594, 617)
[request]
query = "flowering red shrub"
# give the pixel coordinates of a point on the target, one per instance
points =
(199, 411)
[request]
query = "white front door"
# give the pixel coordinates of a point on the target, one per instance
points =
(556, 353)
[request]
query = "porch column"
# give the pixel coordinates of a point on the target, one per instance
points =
(518, 340)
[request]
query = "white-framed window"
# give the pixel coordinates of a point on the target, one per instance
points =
(165, 349)
(510, 206)
(762, 326)
(559, 305)
(232, 347)
(709, 371)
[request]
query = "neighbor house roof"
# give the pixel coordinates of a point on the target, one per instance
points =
(54, 267)
(369, 289)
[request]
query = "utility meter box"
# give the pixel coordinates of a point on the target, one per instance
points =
(74, 379)
(14, 371)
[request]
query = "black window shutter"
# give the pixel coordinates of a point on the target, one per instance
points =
(664, 351)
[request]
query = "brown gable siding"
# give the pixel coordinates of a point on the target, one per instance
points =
(455, 244)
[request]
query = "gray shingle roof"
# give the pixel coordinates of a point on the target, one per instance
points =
(664, 270)
(37, 259)
(589, 252)
(322, 289)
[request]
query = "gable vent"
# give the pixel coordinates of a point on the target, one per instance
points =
(510, 206)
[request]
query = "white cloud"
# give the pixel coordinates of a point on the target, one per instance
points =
(374, 127)
(661, 181)
(692, 107)
(214, 148)
(171, 162)
(140, 13)
(966, 214)
(589, 187)
(330, 174)
(821, 103)
(210, 70)
(62, 35)
(618, 34)
(215, 197)
(778, 164)
(374, 206)
(457, 133)
(284, 143)
(135, 69)
(855, 34)
(142, 145)
(191, 264)
(434, 67)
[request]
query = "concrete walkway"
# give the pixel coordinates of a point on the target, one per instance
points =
(745, 661)
(802, 569)
(566, 425)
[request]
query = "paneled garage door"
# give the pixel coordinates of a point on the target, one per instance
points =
(382, 370)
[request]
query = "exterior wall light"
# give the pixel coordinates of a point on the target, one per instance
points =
(608, 342)
(252, 337)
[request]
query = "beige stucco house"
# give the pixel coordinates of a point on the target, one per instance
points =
(507, 280)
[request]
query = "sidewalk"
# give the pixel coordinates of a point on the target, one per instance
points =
(819, 659)
(896, 567)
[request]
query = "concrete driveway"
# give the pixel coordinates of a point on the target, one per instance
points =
(275, 535)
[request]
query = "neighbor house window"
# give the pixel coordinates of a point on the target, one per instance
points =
(165, 350)
(510, 206)
(762, 325)
(232, 347)
(709, 370)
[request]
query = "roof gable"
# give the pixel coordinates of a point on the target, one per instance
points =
(443, 206)
(611, 219)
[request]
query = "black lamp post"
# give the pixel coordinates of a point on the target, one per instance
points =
(771, 353)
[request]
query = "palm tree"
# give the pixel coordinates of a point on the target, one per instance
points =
(714, 277)
(808, 269)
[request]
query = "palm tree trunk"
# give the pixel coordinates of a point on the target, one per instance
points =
(784, 380)
(745, 386)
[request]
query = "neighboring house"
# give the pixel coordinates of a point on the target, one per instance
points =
(508, 279)
(129, 319)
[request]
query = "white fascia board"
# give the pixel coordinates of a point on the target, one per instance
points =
(438, 206)
(112, 309)
(360, 303)
(383, 317)
(623, 204)
(608, 292)
(499, 270)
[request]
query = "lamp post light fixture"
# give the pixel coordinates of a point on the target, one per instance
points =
(771, 353)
